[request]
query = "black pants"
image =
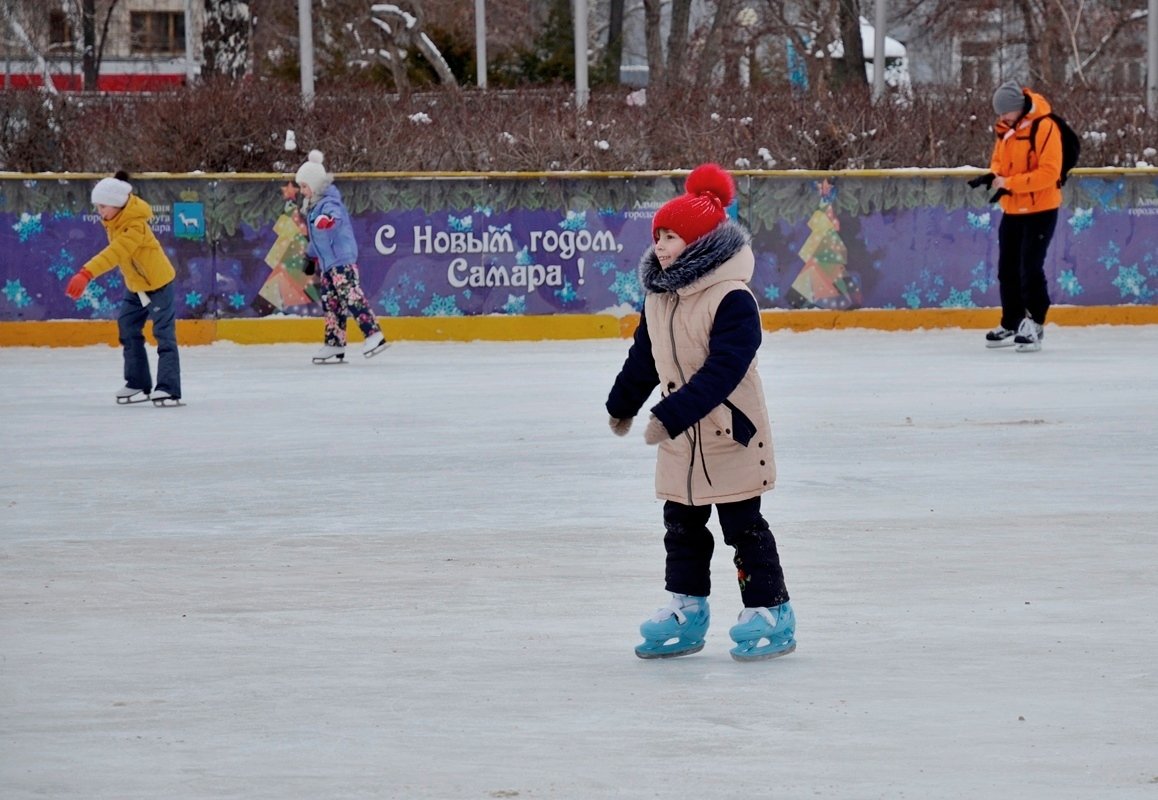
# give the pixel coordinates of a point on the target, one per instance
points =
(1022, 241)
(690, 544)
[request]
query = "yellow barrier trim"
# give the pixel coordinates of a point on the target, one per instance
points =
(280, 330)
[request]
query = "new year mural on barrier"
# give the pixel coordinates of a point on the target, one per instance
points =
(454, 246)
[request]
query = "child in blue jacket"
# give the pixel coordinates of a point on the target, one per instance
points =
(333, 248)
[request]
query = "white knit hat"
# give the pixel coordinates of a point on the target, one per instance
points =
(313, 174)
(111, 192)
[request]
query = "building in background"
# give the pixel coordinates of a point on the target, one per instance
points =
(143, 47)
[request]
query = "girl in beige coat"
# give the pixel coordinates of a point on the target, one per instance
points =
(697, 340)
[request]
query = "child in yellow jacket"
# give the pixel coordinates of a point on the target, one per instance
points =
(149, 278)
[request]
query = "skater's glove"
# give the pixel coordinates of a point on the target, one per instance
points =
(619, 427)
(311, 266)
(77, 284)
(1000, 193)
(985, 180)
(655, 431)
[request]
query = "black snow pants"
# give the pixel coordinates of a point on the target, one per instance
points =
(690, 544)
(1022, 241)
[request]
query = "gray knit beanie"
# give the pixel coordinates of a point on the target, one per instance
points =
(1008, 97)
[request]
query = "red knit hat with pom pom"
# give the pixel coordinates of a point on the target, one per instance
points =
(708, 191)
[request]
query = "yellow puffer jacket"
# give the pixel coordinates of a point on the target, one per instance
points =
(1032, 174)
(134, 248)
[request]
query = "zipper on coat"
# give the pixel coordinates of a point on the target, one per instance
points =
(683, 381)
(693, 433)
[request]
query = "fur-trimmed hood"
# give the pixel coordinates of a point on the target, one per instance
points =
(702, 259)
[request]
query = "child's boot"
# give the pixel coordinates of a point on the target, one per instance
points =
(678, 629)
(764, 633)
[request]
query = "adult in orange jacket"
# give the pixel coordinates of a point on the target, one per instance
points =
(1025, 171)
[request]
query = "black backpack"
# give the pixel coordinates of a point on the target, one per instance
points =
(1070, 141)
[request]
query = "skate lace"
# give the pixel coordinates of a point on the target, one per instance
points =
(1028, 329)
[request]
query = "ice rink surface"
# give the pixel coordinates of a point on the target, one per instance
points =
(421, 576)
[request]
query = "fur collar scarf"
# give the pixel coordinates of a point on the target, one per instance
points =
(700, 259)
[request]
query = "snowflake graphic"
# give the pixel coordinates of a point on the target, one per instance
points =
(62, 265)
(1111, 260)
(16, 293)
(193, 299)
(575, 221)
(484, 211)
(1082, 219)
(604, 266)
(237, 300)
(523, 257)
(28, 226)
(1069, 284)
(933, 284)
(460, 224)
(94, 299)
(980, 222)
(626, 289)
(959, 298)
(567, 294)
(772, 293)
(390, 305)
(515, 305)
(1132, 283)
(982, 279)
(442, 307)
(911, 296)
(413, 301)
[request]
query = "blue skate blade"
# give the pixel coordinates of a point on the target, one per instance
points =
(673, 650)
(750, 652)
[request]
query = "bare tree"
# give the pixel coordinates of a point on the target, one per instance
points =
(405, 30)
(225, 38)
(653, 37)
(1062, 41)
(848, 70)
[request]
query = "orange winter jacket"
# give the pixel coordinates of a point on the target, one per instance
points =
(1032, 173)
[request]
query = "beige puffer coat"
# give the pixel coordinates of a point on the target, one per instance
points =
(727, 455)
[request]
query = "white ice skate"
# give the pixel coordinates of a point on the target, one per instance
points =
(330, 354)
(1029, 336)
(127, 395)
(999, 337)
(374, 345)
(163, 399)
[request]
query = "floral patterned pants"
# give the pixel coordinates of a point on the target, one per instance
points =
(342, 297)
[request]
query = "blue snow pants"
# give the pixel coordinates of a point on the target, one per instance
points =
(131, 327)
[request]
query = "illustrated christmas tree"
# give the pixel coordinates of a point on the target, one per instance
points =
(287, 284)
(824, 281)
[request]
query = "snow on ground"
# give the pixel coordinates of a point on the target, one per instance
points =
(421, 577)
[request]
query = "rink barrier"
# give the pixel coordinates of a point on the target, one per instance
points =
(530, 256)
(76, 333)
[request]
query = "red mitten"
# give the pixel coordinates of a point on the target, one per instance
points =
(324, 222)
(77, 284)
